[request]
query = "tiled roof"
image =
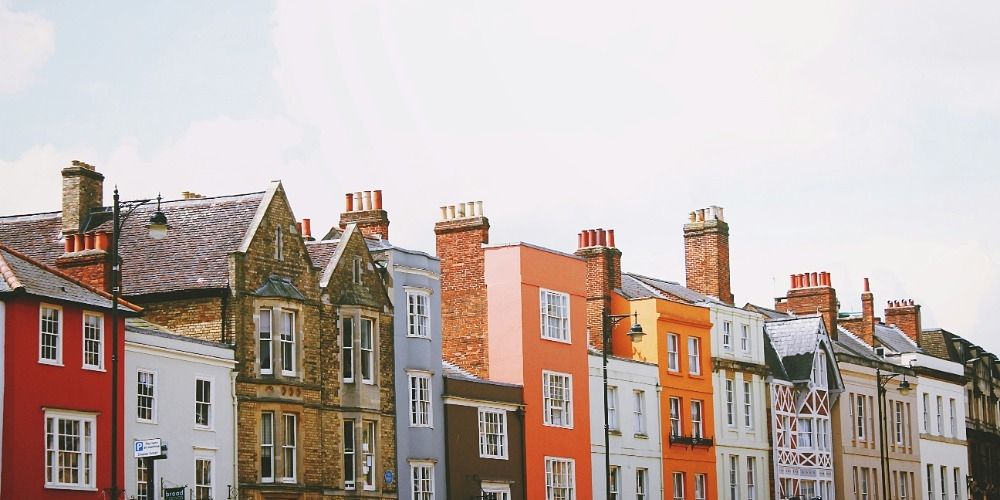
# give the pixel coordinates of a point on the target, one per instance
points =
(194, 255)
(939, 343)
(453, 371)
(773, 360)
(321, 251)
(18, 272)
(795, 341)
(893, 338)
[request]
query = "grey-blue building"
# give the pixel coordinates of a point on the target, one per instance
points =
(415, 289)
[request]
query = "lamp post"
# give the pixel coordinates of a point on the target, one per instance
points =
(636, 334)
(904, 389)
(157, 230)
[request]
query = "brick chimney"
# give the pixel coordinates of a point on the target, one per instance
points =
(460, 235)
(706, 253)
(604, 274)
(811, 293)
(864, 326)
(87, 258)
(905, 314)
(82, 191)
(364, 208)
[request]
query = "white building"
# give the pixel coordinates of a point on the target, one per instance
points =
(634, 420)
(180, 390)
(944, 455)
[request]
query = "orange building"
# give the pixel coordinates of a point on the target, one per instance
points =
(517, 314)
(678, 340)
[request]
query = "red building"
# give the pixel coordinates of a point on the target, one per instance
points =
(55, 383)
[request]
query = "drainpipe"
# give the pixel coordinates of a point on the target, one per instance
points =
(236, 447)
(524, 459)
(659, 408)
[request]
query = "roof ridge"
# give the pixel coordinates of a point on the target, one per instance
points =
(642, 276)
(206, 198)
(24, 216)
(8, 274)
(69, 278)
(853, 336)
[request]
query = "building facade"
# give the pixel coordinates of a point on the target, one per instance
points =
(634, 430)
(57, 374)
(485, 439)
(517, 314)
(181, 390)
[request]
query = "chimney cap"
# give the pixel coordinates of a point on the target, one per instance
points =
(81, 164)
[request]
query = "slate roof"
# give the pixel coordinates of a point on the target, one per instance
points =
(453, 371)
(139, 325)
(281, 287)
(633, 288)
(321, 251)
(21, 274)
(773, 361)
(851, 344)
(893, 338)
(674, 289)
(768, 313)
(194, 255)
(795, 342)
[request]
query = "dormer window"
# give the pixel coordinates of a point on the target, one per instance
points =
(880, 352)
(819, 370)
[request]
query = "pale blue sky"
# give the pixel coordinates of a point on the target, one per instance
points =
(853, 138)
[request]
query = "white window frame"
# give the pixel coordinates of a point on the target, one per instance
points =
(641, 483)
(265, 344)
(930, 482)
(420, 399)
(60, 319)
(289, 445)
(613, 423)
(694, 355)
(944, 482)
(87, 448)
(956, 474)
(199, 457)
(550, 478)
(953, 413)
(676, 428)
(288, 342)
(487, 428)
(744, 337)
(369, 352)
(495, 491)
(369, 443)
(940, 415)
(730, 402)
(210, 403)
(418, 318)
(673, 354)
(727, 334)
(350, 454)
(927, 412)
(734, 477)
(859, 417)
(697, 426)
(549, 403)
(142, 479)
(677, 485)
(100, 341)
(639, 411)
(616, 482)
(747, 404)
(265, 445)
(806, 432)
(700, 485)
(347, 326)
(898, 411)
(550, 311)
(422, 473)
(751, 478)
(152, 397)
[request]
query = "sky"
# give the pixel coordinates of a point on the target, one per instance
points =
(856, 138)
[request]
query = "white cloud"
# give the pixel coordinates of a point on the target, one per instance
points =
(27, 41)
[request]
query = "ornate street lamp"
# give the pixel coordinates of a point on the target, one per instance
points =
(635, 333)
(904, 390)
(157, 230)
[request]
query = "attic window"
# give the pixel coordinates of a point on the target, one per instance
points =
(880, 352)
(356, 270)
(279, 241)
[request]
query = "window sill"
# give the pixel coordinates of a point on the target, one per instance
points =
(493, 458)
(560, 341)
(641, 435)
(558, 426)
(419, 337)
(49, 362)
(144, 421)
(203, 428)
(615, 432)
(94, 369)
(50, 486)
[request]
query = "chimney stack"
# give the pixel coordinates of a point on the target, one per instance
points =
(460, 235)
(604, 275)
(82, 191)
(905, 314)
(364, 208)
(87, 258)
(706, 253)
(812, 293)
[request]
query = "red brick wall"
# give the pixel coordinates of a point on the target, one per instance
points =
(906, 316)
(706, 258)
(370, 222)
(812, 300)
(92, 267)
(463, 292)
(604, 274)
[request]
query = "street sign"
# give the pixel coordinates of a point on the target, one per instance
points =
(146, 447)
(173, 493)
